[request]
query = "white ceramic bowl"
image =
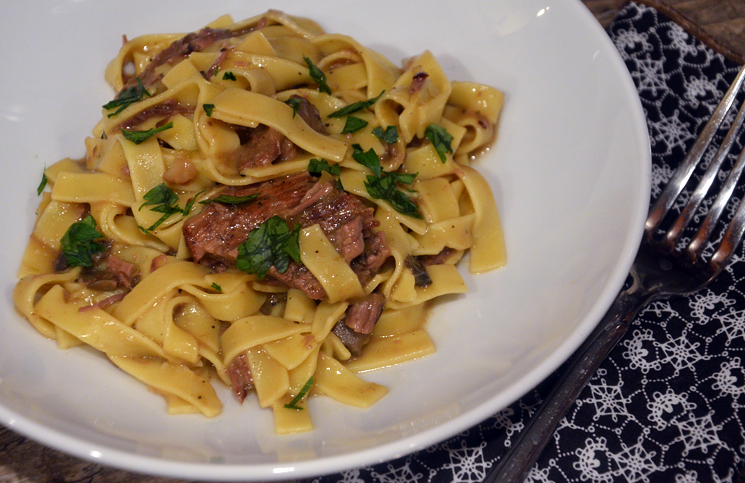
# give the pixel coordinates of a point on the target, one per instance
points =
(570, 172)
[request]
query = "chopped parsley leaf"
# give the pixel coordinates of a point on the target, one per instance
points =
(160, 195)
(190, 203)
(231, 200)
(208, 109)
(271, 244)
(353, 125)
(216, 287)
(139, 137)
(294, 103)
(390, 135)
(316, 167)
(79, 243)
(303, 391)
(384, 186)
(368, 159)
(228, 76)
(43, 183)
(357, 106)
(318, 76)
(386, 189)
(440, 139)
(128, 96)
(163, 200)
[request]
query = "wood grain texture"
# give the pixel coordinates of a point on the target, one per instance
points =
(720, 23)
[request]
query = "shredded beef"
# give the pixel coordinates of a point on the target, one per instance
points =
(241, 380)
(439, 259)
(367, 265)
(177, 51)
(216, 233)
(166, 109)
(298, 276)
(363, 315)
(264, 145)
(125, 272)
(310, 114)
(116, 274)
(417, 82)
(218, 230)
(353, 341)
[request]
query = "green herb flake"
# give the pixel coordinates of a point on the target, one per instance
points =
(128, 96)
(357, 106)
(139, 137)
(229, 76)
(384, 186)
(79, 243)
(303, 391)
(216, 287)
(440, 139)
(353, 125)
(390, 135)
(316, 167)
(368, 159)
(294, 103)
(231, 200)
(318, 76)
(43, 183)
(162, 199)
(190, 203)
(208, 108)
(272, 244)
(160, 195)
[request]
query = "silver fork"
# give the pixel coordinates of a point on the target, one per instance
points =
(661, 269)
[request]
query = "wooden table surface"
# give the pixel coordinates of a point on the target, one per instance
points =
(719, 23)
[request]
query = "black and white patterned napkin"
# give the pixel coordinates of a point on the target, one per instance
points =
(669, 403)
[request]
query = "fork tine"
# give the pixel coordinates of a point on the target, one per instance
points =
(673, 234)
(686, 168)
(697, 245)
(733, 235)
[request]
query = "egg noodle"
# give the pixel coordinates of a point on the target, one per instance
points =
(251, 186)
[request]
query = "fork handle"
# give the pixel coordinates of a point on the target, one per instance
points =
(518, 461)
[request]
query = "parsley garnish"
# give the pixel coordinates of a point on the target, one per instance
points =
(190, 203)
(368, 158)
(357, 106)
(384, 186)
(216, 287)
(128, 96)
(306, 387)
(318, 76)
(353, 125)
(138, 137)
(208, 109)
(316, 167)
(43, 183)
(390, 135)
(228, 76)
(79, 243)
(163, 200)
(231, 200)
(271, 244)
(386, 189)
(440, 139)
(294, 103)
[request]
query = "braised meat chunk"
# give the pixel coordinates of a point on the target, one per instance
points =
(217, 232)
